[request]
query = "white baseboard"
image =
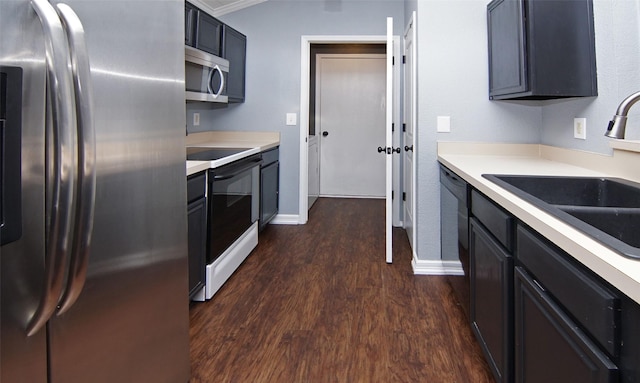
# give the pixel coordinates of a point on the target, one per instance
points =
(436, 267)
(285, 219)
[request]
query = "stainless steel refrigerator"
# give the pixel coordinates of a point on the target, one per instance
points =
(93, 262)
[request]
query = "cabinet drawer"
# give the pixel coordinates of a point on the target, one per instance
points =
(270, 156)
(497, 221)
(196, 186)
(586, 299)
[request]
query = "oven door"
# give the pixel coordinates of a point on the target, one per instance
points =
(233, 203)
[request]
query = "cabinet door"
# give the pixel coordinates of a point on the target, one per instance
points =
(197, 233)
(492, 300)
(269, 189)
(208, 34)
(190, 13)
(549, 346)
(507, 59)
(234, 49)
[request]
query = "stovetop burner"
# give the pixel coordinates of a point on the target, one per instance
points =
(210, 154)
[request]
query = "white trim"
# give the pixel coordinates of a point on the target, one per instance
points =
(224, 9)
(436, 267)
(235, 6)
(412, 25)
(285, 219)
(305, 48)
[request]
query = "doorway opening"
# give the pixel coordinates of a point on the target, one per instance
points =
(308, 126)
(346, 120)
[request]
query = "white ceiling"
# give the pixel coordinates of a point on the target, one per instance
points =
(221, 7)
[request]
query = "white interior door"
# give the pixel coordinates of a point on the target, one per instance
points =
(410, 147)
(389, 145)
(351, 105)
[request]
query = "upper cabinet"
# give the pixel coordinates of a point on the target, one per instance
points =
(206, 33)
(234, 49)
(541, 49)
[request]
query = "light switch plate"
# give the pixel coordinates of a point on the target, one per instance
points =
(292, 119)
(444, 124)
(196, 119)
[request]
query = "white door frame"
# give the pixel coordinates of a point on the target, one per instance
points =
(305, 50)
(412, 77)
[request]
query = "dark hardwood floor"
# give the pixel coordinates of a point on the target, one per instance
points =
(317, 303)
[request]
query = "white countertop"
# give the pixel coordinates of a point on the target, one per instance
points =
(470, 161)
(254, 142)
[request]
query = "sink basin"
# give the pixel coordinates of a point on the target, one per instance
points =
(607, 209)
(576, 191)
(620, 224)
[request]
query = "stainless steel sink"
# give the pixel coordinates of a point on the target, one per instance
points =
(607, 209)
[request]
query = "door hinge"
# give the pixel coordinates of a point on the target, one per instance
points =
(392, 194)
(404, 59)
(393, 126)
(404, 127)
(393, 60)
(404, 196)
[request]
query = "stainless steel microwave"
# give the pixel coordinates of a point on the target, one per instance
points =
(205, 76)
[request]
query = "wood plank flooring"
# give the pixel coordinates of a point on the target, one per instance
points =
(317, 303)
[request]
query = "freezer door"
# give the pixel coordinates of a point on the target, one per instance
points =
(22, 358)
(130, 322)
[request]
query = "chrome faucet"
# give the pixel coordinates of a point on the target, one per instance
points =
(619, 123)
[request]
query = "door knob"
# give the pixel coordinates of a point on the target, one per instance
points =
(324, 134)
(396, 150)
(381, 149)
(408, 148)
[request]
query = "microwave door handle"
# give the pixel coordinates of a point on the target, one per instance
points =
(221, 81)
(221, 87)
(63, 125)
(86, 181)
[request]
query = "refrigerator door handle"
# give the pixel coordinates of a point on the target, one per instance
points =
(59, 88)
(86, 175)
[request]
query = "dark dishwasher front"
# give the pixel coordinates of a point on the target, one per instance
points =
(454, 231)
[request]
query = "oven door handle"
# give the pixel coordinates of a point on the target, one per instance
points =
(238, 170)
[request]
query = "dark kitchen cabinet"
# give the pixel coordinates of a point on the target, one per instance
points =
(197, 231)
(269, 186)
(208, 34)
(190, 20)
(234, 49)
(541, 49)
(560, 310)
(491, 284)
(549, 346)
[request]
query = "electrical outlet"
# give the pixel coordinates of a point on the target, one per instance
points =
(196, 119)
(580, 128)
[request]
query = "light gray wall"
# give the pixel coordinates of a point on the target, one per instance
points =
(274, 29)
(618, 64)
(452, 81)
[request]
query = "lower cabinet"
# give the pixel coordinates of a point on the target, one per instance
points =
(539, 315)
(491, 276)
(550, 346)
(269, 186)
(197, 231)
